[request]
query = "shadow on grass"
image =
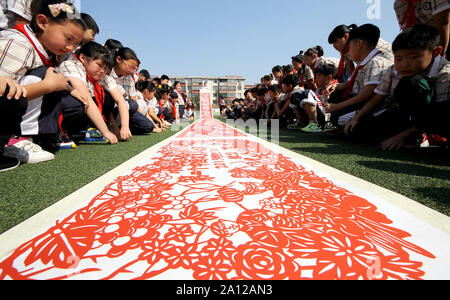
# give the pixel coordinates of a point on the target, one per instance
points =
(408, 169)
(439, 195)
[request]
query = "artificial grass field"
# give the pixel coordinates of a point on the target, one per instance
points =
(29, 189)
(422, 175)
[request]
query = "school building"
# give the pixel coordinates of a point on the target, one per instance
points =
(227, 87)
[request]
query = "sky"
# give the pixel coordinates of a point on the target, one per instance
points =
(230, 37)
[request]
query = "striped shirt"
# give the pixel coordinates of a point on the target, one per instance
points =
(439, 72)
(126, 85)
(74, 68)
(425, 10)
(20, 8)
(17, 54)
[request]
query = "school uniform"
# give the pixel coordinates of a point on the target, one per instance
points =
(74, 118)
(139, 124)
(369, 72)
(181, 104)
(6, 17)
(323, 61)
(423, 12)
(305, 74)
(24, 59)
(18, 55)
(20, 8)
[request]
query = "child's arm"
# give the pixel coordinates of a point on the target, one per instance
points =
(398, 141)
(361, 97)
(92, 110)
(52, 82)
(373, 103)
(125, 132)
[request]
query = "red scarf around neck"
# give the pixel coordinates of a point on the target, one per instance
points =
(21, 28)
(99, 92)
(342, 62)
(409, 18)
(351, 83)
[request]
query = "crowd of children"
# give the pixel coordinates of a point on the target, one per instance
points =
(396, 96)
(60, 88)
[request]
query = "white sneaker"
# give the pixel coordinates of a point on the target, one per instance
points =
(28, 153)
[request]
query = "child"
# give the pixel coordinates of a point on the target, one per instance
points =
(148, 91)
(325, 77)
(277, 72)
(282, 108)
(339, 39)
(125, 66)
(275, 93)
(164, 111)
(181, 102)
(403, 106)
(13, 105)
(21, 10)
(305, 106)
(433, 13)
(165, 79)
(304, 73)
(92, 29)
(144, 76)
(88, 73)
(314, 58)
(54, 30)
(367, 75)
(113, 45)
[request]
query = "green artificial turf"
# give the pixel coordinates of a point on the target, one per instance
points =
(419, 174)
(29, 189)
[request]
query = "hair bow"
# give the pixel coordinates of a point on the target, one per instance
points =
(56, 9)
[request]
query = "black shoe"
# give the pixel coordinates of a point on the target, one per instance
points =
(7, 163)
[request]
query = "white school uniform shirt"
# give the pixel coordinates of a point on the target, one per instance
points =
(21, 8)
(180, 98)
(373, 71)
(18, 55)
(439, 73)
(75, 68)
(6, 18)
(425, 10)
(126, 85)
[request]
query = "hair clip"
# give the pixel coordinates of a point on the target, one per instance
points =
(56, 9)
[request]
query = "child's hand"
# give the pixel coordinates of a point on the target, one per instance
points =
(330, 90)
(16, 91)
(111, 138)
(125, 134)
(56, 82)
(394, 143)
(351, 126)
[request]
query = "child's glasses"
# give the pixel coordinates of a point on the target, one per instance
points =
(130, 68)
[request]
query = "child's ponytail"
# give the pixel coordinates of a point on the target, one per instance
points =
(340, 31)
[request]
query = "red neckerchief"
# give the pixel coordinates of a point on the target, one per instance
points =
(409, 17)
(342, 62)
(350, 84)
(162, 110)
(302, 77)
(21, 29)
(99, 92)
